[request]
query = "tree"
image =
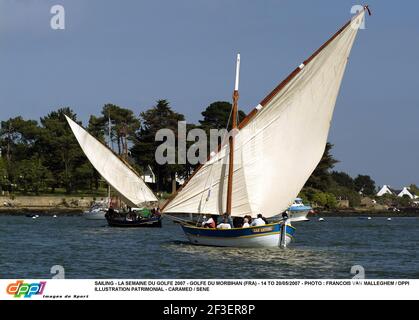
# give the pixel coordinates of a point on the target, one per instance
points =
(32, 175)
(4, 181)
(404, 201)
(321, 178)
(97, 128)
(124, 125)
(217, 114)
(18, 138)
(343, 179)
(365, 185)
(61, 151)
(415, 189)
(344, 193)
(325, 200)
(161, 116)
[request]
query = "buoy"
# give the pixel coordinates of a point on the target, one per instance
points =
(389, 219)
(321, 220)
(369, 218)
(34, 217)
(54, 216)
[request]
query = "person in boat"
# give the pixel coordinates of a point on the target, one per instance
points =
(210, 223)
(156, 212)
(285, 215)
(238, 222)
(131, 216)
(225, 224)
(229, 219)
(249, 219)
(246, 223)
(111, 212)
(259, 221)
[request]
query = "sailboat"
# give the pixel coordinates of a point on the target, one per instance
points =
(121, 176)
(264, 166)
(99, 209)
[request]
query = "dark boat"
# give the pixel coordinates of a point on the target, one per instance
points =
(123, 222)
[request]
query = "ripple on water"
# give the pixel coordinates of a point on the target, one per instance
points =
(90, 249)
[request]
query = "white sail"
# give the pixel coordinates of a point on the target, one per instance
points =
(120, 176)
(281, 142)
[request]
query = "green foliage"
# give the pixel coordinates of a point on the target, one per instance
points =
(344, 193)
(60, 149)
(388, 200)
(18, 138)
(45, 157)
(343, 179)
(217, 114)
(404, 201)
(414, 189)
(161, 116)
(124, 125)
(365, 185)
(318, 198)
(32, 175)
(321, 178)
(4, 181)
(395, 201)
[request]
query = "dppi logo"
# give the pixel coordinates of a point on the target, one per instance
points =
(27, 290)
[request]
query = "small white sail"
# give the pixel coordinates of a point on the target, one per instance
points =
(279, 144)
(119, 175)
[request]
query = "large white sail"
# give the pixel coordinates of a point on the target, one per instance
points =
(279, 144)
(121, 177)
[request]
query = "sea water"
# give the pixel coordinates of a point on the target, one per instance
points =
(90, 249)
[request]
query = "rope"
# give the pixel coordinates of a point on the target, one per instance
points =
(209, 173)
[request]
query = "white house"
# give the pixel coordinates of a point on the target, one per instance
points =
(406, 192)
(399, 193)
(385, 190)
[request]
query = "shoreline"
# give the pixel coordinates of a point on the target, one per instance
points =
(78, 211)
(364, 214)
(41, 211)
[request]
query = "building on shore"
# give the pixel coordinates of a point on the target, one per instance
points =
(386, 189)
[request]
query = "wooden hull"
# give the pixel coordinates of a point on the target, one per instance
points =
(267, 236)
(143, 223)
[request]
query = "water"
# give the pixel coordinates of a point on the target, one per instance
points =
(90, 249)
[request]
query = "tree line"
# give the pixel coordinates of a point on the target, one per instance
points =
(44, 157)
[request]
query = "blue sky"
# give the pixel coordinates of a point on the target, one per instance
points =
(132, 53)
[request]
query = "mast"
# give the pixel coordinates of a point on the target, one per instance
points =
(232, 138)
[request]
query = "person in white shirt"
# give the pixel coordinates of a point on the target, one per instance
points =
(258, 221)
(224, 225)
(246, 223)
(210, 223)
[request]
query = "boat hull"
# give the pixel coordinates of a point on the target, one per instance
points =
(95, 215)
(267, 236)
(143, 223)
(299, 215)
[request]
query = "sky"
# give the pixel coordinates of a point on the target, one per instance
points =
(132, 53)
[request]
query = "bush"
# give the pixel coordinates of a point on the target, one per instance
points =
(324, 200)
(344, 193)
